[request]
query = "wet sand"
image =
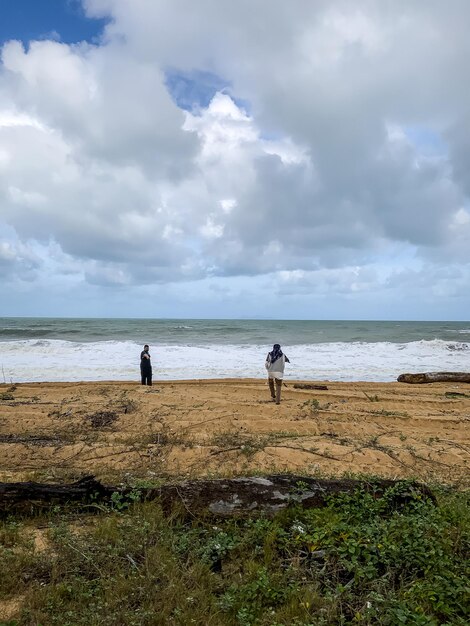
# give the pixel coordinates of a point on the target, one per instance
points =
(122, 431)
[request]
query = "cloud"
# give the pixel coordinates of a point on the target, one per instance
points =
(310, 140)
(331, 77)
(18, 261)
(106, 106)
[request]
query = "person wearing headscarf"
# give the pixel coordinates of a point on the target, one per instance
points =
(275, 363)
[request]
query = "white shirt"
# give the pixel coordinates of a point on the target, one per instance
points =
(276, 369)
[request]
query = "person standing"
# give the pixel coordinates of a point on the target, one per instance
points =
(275, 363)
(146, 366)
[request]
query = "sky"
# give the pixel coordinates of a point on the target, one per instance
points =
(219, 159)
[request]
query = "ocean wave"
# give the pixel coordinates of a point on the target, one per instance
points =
(24, 332)
(55, 359)
(36, 333)
(457, 346)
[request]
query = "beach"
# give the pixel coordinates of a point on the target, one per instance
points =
(122, 431)
(71, 405)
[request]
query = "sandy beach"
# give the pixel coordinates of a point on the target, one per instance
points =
(123, 431)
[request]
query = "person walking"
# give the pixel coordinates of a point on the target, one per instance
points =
(146, 366)
(275, 363)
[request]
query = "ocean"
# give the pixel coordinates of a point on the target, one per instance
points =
(50, 349)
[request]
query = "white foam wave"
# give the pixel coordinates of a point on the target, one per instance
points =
(56, 360)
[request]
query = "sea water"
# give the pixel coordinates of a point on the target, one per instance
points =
(46, 349)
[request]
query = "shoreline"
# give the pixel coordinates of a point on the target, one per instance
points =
(209, 381)
(121, 430)
(342, 352)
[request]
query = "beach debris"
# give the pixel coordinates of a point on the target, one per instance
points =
(310, 386)
(34, 439)
(374, 398)
(327, 434)
(230, 497)
(435, 377)
(102, 419)
(125, 404)
(456, 394)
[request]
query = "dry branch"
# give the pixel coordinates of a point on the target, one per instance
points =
(310, 386)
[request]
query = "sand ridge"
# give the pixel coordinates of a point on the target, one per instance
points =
(121, 430)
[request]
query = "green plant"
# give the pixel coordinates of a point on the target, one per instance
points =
(120, 502)
(364, 558)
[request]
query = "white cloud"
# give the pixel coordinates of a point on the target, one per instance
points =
(461, 218)
(313, 163)
(19, 261)
(27, 199)
(228, 204)
(211, 230)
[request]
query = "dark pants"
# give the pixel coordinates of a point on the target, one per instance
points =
(146, 376)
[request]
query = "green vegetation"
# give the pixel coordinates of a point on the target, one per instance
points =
(314, 406)
(359, 560)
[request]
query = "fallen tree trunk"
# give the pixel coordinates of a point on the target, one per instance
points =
(224, 497)
(435, 377)
(310, 386)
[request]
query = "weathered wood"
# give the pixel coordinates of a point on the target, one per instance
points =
(435, 377)
(225, 497)
(310, 386)
(44, 495)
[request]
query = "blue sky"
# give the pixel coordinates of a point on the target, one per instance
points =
(39, 19)
(67, 22)
(193, 89)
(231, 159)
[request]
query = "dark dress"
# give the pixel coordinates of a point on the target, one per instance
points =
(145, 368)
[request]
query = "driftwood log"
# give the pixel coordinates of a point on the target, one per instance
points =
(435, 377)
(248, 496)
(310, 386)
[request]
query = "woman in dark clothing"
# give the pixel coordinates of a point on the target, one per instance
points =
(146, 366)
